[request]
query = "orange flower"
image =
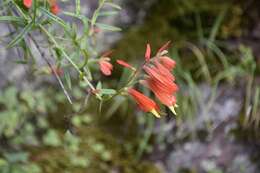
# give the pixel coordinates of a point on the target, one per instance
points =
(27, 3)
(105, 66)
(125, 64)
(55, 9)
(148, 53)
(144, 102)
(161, 82)
(167, 62)
(164, 82)
(164, 71)
(107, 53)
(164, 47)
(167, 98)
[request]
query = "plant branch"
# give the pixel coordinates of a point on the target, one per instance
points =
(51, 67)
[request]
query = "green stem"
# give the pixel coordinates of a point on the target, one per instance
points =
(68, 58)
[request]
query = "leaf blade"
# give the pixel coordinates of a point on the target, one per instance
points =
(108, 27)
(54, 17)
(11, 19)
(20, 36)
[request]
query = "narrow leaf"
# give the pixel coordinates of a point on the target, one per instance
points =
(21, 35)
(77, 7)
(107, 27)
(99, 85)
(21, 61)
(113, 5)
(107, 13)
(53, 17)
(107, 91)
(67, 78)
(11, 19)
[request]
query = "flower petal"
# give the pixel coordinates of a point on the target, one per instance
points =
(27, 3)
(148, 53)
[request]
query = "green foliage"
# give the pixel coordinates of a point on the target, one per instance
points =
(78, 52)
(18, 163)
(40, 143)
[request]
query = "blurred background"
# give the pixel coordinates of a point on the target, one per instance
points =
(216, 44)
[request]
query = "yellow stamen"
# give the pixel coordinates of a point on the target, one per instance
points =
(173, 110)
(155, 113)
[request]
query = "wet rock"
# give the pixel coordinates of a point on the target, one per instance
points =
(221, 153)
(226, 104)
(218, 150)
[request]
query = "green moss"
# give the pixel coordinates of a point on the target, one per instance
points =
(95, 142)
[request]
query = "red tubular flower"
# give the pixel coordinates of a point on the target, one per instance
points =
(161, 82)
(125, 64)
(164, 82)
(27, 3)
(161, 69)
(164, 47)
(107, 53)
(55, 9)
(105, 66)
(167, 62)
(144, 102)
(167, 98)
(148, 53)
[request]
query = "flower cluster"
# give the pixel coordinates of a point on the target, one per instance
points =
(158, 78)
(54, 7)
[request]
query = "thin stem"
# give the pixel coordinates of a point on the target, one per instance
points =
(57, 45)
(51, 67)
(131, 79)
(68, 58)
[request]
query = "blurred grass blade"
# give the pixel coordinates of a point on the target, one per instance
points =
(118, 101)
(147, 134)
(107, 27)
(77, 7)
(21, 61)
(99, 86)
(67, 78)
(21, 12)
(248, 95)
(202, 60)
(78, 16)
(219, 53)
(54, 17)
(108, 13)
(12, 19)
(21, 35)
(199, 26)
(107, 91)
(255, 108)
(113, 5)
(217, 24)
